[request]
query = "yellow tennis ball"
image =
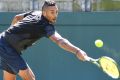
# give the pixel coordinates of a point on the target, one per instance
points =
(98, 43)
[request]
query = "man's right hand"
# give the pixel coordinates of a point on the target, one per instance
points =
(81, 55)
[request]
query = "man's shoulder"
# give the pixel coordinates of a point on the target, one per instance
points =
(34, 16)
(37, 13)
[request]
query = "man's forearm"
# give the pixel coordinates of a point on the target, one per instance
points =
(66, 45)
(16, 19)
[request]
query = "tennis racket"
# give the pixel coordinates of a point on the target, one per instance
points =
(108, 65)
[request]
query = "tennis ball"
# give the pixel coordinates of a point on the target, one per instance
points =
(98, 43)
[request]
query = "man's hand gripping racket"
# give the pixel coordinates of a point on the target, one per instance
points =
(107, 64)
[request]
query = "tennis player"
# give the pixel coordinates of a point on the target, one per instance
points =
(25, 29)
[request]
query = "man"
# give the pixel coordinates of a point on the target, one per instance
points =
(25, 29)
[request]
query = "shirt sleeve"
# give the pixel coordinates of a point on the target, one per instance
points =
(50, 30)
(26, 13)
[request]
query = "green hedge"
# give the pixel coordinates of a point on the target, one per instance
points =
(107, 5)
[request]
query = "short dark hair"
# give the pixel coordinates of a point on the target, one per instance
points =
(48, 3)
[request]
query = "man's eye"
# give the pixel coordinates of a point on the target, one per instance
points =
(52, 12)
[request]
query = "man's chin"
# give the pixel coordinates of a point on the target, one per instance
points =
(53, 22)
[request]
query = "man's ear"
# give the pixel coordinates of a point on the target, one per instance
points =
(44, 13)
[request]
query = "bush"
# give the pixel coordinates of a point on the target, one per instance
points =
(107, 5)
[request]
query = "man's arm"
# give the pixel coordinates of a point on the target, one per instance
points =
(17, 18)
(66, 45)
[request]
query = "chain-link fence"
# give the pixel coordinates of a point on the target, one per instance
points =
(63, 5)
(25, 5)
(15, 5)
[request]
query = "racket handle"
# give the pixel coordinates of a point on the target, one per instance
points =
(90, 59)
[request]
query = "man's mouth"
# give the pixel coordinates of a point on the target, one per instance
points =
(54, 19)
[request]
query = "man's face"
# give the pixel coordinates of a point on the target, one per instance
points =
(51, 13)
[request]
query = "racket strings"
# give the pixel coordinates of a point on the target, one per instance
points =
(109, 67)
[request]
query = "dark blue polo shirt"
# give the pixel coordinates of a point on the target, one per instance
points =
(25, 32)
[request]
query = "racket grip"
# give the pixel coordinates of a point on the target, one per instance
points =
(87, 58)
(90, 59)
